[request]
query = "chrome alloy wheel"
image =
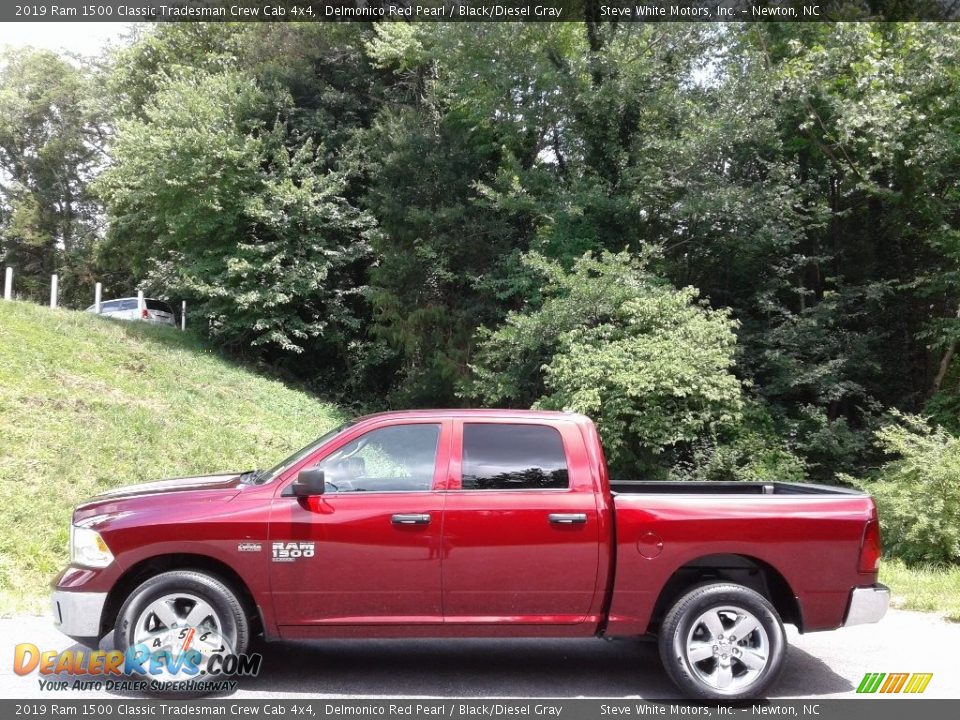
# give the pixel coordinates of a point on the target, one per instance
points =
(178, 623)
(726, 649)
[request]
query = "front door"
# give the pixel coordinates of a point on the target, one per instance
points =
(367, 550)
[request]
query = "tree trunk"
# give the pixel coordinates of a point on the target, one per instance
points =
(944, 364)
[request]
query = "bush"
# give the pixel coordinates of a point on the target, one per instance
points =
(753, 452)
(918, 492)
(652, 364)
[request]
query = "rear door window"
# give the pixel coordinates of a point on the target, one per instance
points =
(513, 457)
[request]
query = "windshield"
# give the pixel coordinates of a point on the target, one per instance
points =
(273, 472)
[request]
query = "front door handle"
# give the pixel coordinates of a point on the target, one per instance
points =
(567, 518)
(411, 519)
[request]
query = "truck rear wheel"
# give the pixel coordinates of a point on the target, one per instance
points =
(179, 611)
(722, 641)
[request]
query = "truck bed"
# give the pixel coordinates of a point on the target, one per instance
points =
(811, 534)
(657, 487)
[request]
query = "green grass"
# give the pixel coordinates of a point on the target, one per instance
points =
(88, 404)
(931, 589)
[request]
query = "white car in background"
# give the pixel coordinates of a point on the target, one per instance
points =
(154, 311)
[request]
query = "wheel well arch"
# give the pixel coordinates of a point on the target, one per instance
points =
(147, 568)
(746, 570)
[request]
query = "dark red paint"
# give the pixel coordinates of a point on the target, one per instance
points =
(488, 563)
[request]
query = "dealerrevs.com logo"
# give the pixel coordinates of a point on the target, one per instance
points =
(185, 659)
(889, 683)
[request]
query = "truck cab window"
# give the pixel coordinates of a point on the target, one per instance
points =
(513, 457)
(391, 459)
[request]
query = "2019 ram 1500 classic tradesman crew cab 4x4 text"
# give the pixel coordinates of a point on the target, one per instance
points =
(477, 523)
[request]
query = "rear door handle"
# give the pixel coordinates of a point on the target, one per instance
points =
(411, 519)
(567, 518)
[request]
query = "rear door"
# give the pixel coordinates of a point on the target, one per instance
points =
(521, 539)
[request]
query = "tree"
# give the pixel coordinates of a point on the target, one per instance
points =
(213, 199)
(650, 363)
(801, 176)
(51, 137)
(446, 259)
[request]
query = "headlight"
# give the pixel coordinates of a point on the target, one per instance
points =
(88, 549)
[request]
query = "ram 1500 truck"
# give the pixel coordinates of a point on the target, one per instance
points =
(477, 523)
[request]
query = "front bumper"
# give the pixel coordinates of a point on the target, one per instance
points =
(867, 605)
(77, 614)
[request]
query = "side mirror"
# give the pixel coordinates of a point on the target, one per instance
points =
(308, 482)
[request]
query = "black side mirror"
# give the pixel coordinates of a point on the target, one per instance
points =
(308, 482)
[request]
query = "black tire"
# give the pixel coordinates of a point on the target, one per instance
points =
(234, 626)
(733, 670)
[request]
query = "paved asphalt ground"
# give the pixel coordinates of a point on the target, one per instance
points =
(820, 665)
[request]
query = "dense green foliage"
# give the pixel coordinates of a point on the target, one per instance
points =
(269, 250)
(649, 363)
(416, 214)
(52, 135)
(89, 404)
(918, 491)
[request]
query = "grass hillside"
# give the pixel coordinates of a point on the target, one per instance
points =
(88, 404)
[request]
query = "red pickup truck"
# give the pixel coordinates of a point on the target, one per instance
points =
(477, 523)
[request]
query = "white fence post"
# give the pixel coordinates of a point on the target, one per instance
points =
(140, 305)
(53, 290)
(183, 316)
(8, 284)
(97, 294)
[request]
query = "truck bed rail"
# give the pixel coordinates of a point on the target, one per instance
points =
(699, 487)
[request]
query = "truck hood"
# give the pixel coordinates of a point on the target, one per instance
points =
(203, 488)
(225, 481)
(161, 493)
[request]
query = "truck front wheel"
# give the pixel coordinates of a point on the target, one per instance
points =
(722, 641)
(182, 611)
